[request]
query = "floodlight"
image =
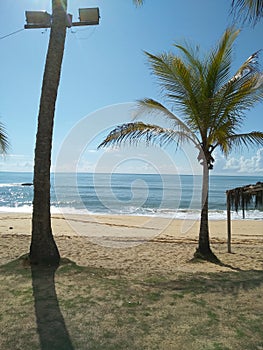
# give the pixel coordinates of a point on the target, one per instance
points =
(38, 19)
(89, 16)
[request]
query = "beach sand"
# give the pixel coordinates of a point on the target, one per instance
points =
(138, 245)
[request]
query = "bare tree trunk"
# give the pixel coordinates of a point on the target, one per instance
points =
(43, 249)
(203, 244)
(204, 251)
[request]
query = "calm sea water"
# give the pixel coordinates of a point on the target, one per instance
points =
(126, 194)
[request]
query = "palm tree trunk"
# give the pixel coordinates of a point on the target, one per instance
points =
(43, 249)
(204, 250)
(203, 244)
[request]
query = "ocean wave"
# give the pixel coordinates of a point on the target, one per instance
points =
(188, 214)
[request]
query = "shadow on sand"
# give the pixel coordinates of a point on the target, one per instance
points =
(51, 326)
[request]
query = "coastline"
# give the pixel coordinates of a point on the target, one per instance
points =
(137, 244)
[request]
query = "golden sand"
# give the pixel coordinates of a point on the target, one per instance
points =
(137, 244)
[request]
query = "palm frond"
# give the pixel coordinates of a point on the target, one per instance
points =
(4, 142)
(181, 84)
(251, 139)
(247, 11)
(152, 107)
(219, 62)
(244, 89)
(191, 57)
(239, 94)
(133, 133)
(250, 66)
(175, 79)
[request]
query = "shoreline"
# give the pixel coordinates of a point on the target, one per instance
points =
(180, 214)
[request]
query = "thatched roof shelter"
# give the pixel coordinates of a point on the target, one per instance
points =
(241, 198)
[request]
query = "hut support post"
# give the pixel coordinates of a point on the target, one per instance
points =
(228, 223)
(243, 206)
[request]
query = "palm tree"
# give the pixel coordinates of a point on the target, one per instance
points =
(4, 143)
(213, 106)
(248, 11)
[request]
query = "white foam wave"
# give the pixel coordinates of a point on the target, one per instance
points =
(188, 214)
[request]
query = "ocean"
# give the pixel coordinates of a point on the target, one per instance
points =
(172, 196)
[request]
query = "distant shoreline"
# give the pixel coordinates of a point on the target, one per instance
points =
(180, 214)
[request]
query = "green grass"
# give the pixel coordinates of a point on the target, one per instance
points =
(93, 308)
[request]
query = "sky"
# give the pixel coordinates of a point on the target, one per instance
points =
(104, 72)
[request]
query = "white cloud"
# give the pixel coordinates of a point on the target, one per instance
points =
(16, 162)
(243, 165)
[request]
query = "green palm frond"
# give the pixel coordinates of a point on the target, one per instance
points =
(181, 86)
(248, 73)
(219, 61)
(238, 95)
(191, 57)
(247, 11)
(251, 139)
(152, 107)
(4, 142)
(133, 133)
(175, 78)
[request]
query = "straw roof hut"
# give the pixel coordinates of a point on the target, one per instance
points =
(242, 198)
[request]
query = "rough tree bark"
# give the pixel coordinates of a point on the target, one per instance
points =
(203, 250)
(43, 249)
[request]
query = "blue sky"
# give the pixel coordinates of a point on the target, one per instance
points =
(104, 72)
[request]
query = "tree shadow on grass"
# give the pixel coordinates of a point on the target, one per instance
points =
(217, 282)
(51, 327)
(52, 330)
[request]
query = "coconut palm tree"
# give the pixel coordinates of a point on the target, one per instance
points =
(248, 11)
(212, 105)
(4, 143)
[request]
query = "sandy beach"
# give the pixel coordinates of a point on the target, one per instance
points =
(136, 244)
(134, 286)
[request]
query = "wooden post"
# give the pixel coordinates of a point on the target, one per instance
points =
(243, 205)
(228, 223)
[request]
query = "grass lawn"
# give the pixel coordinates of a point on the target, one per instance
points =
(78, 307)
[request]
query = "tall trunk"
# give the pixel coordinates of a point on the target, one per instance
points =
(204, 250)
(43, 249)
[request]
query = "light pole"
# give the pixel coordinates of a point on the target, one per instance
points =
(42, 19)
(43, 248)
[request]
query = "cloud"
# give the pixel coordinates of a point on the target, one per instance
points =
(243, 165)
(16, 162)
